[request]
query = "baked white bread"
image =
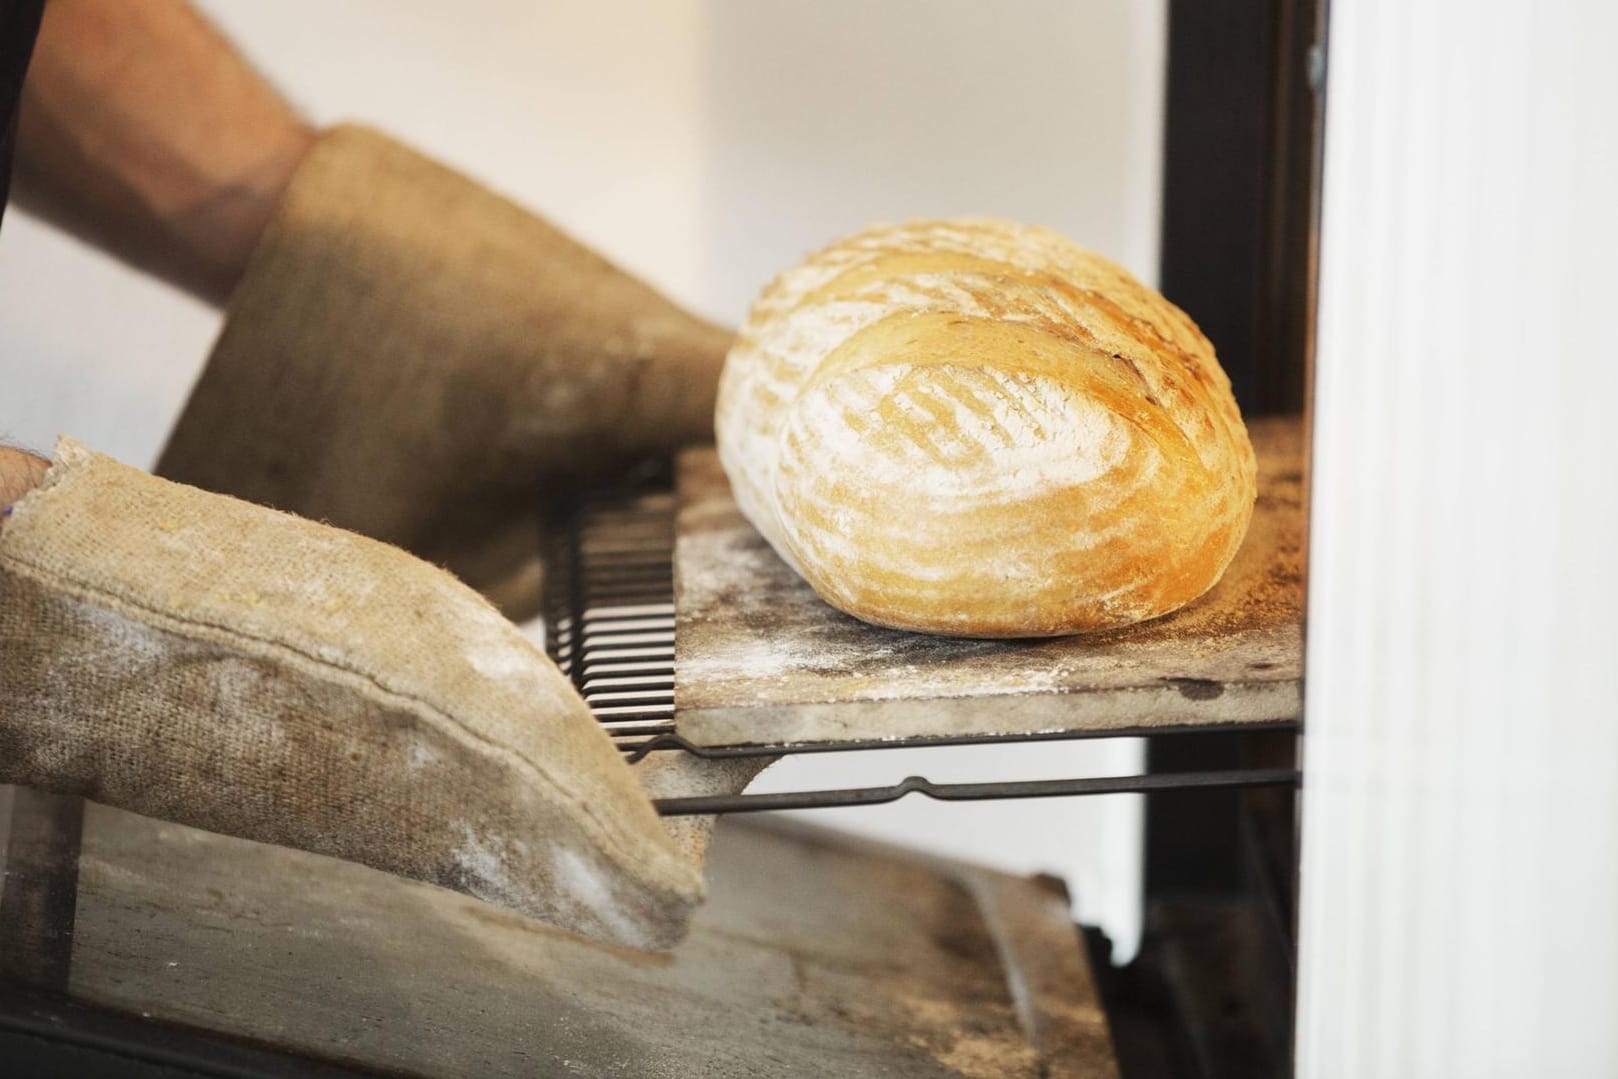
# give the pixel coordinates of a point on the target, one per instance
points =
(979, 428)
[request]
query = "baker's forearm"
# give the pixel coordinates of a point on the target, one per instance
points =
(145, 133)
(19, 473)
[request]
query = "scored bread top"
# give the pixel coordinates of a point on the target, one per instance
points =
(979, 428)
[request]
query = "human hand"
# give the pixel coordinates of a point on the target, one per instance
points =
(20, 473)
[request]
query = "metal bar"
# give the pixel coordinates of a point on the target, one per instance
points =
(976, 792)
(637, 710)
(659, 667)
(650, 695)
(629, 610)
(647, 681)
(612, 639)
(593, 653)
(621, 624)
(676, 741)
(631, 728)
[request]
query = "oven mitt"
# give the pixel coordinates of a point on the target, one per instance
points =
(208, 661)
(414, 358)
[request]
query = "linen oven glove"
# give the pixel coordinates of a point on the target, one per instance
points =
(412, 357)
(201, 659)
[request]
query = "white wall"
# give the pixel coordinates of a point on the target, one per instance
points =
(705, 144)
(1459, 909)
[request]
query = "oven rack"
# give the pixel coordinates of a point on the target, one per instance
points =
(610, 626)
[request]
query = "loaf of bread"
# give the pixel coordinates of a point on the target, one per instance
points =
(979, 428)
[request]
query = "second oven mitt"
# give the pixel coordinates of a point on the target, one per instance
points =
(204, 660)
(415, 358)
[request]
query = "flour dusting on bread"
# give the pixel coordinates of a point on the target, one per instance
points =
(977, 427)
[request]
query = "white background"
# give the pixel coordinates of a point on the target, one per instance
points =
(1459, 909)
(705, 144)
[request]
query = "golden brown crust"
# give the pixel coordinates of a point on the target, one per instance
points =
(978, 428)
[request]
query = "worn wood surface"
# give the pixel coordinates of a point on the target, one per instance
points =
(39, 855)
(760, 659)
(817, 954)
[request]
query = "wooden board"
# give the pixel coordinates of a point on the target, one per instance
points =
(761, 660)
(816, 954)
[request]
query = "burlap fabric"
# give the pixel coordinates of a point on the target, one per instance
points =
(208, 661)
(414, 358)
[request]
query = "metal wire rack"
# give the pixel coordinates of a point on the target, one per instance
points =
(612, 628)
(610, 620)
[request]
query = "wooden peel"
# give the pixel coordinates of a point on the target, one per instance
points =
(761, 660)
